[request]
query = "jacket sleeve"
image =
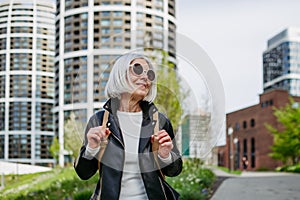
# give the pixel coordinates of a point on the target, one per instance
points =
(86, 168)
(175, 167)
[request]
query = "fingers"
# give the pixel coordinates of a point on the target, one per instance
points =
(163, 137)
(165, 143)
(97, 135)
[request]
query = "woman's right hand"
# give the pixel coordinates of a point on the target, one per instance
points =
(96, 136)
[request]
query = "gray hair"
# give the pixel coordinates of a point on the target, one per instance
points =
(118, 81)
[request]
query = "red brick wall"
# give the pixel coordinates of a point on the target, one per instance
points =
(261, 113)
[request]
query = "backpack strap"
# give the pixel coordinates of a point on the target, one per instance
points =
(103, 144)
(155, 143)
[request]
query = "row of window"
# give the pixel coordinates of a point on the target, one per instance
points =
(20, 146)
(75, 80)
(20, 116)
(267, 103)
(23, 61)
(245, 153)
(245, 125)
(155, 4)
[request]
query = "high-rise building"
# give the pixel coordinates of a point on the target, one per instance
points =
(27, 50)
(281, 62)
(90, 35)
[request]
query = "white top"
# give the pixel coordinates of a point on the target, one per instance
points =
(132, 185)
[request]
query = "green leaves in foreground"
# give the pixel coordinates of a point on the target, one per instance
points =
(286, 145)
(193, 183)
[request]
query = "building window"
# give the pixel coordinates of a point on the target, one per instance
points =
(245, 147)
(237, 126)
(42, 144)
(271, 102)
(252, 152)
(244, 124)
(237, 155)
(2, 140)
(2, 116)
(252, 122)
(19, 146)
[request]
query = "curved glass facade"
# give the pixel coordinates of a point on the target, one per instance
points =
(27, 50)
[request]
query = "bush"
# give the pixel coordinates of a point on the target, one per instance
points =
(194, 182)
(85, 194)
(289, 168)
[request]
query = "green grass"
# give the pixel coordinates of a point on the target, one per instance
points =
(62, 183)
(237, 172)
(22, 185)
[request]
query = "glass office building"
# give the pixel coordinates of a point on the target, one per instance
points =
(281, 62)
(90, 35)
(27, 50)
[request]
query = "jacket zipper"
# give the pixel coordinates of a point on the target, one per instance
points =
(118, 139)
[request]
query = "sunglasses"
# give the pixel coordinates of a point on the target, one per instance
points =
(138, 70)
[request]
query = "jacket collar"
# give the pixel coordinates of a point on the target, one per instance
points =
(148, 123)
(113, 104)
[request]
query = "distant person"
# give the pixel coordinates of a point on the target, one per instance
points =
(128, 168)
(245, 162)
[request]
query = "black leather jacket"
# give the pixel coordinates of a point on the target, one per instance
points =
(113, 159)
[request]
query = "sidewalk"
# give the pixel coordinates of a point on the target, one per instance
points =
(221, 173)
(264, 174)
(18, 168)
(256, 185)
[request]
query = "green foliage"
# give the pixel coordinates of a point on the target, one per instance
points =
(85, 194)
(286, 146)
(73, 135)
(57, 184)
(227, 170)
(169, 93)
(54, 148)
(289, 168)
(194, 182)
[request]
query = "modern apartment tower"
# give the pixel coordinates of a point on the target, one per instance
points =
(281, 62)
(27, 50)
(90, 35)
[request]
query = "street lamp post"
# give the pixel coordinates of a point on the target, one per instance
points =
(236, 157)
(230, 131)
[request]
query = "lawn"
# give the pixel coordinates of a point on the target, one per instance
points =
(194, 182)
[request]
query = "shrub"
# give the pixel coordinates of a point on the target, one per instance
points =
(289, 168)
(194, 182)
(85, 194)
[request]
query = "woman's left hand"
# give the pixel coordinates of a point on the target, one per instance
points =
(165, 143)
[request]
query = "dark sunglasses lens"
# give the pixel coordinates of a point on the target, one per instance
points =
(137, 69)
(151, 75)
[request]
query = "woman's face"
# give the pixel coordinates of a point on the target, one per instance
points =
(140, 80)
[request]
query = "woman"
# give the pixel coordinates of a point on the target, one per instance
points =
(128, 170)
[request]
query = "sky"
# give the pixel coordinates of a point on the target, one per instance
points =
(234, 34)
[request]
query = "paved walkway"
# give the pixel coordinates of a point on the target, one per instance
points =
(258, 186)
(17, 168)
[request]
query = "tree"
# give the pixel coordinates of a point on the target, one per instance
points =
(54, 148)
(73, 135)
(286, 146)
(170, 96)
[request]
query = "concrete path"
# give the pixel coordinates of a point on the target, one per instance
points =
(17, 168)
(259, 186)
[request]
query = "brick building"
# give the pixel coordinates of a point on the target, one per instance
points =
(249, 135)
